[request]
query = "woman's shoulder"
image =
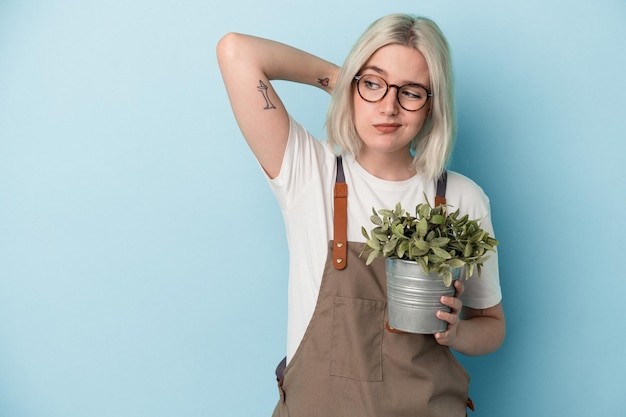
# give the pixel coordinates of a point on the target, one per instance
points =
(464, 193)
(463, 182)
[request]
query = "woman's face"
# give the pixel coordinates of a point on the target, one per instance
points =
(384, 126)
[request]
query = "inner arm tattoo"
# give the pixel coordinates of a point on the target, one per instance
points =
(263, 90)
(323, 81)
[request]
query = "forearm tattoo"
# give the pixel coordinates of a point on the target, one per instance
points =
(323, 81)
(263, 89)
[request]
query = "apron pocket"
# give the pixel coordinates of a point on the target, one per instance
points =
(357, 339)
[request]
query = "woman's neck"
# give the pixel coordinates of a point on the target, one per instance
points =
(390, 167)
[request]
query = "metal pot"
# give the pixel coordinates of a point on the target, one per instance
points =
(413, 297)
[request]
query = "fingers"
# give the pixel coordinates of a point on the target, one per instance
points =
(447, 337)
(454, 303)
(459, 288)
(452, 317)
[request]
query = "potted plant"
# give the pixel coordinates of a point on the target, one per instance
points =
(424, 253)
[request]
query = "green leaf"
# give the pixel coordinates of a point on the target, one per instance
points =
(441, 253)
(456, 263)
(439, 242)
(486, 246)
(462, 221)
(386, 213)
(439, 210)
(482, 259)
(364, 233)
(390, 247)
(421, 244)
(372, 256)
(402, 248)
(446, 275)
(423, 263)
(376, 220)
(438, 219)
(435, 259)
(374, 244)
(491, 241)
(399, 211)
(422, 227)
(414, 252)
(470, 270)
(398, 230)
(423, 211)
(477, 237)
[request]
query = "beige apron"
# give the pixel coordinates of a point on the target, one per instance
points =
(348, 364)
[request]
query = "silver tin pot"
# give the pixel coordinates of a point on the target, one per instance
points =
(413, 297)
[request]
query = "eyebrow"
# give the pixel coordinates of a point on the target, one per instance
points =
(375, 69)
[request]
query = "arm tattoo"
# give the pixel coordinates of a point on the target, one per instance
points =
(263, 90)
(323, 81)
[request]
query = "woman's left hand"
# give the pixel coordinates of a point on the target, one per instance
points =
(453, 318)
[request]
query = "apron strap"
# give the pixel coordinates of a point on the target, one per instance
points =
(340, 219)
(442, 181)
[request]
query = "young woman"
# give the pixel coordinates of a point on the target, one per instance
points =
(391, 119)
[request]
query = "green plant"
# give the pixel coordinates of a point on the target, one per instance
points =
(436, 240)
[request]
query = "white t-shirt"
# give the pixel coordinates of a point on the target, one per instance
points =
(304, 189)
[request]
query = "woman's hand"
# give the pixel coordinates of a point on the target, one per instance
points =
(453, 318)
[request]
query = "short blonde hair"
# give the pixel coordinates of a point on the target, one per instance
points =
(433, 144)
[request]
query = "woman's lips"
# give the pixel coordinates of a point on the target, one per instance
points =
(387, 127)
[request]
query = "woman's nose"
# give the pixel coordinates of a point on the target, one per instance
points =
(389, 104)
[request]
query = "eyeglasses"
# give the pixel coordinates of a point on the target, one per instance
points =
(411, 97)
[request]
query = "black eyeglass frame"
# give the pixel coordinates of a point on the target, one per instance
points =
(429, 94)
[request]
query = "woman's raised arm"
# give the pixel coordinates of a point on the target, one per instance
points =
(248, 64)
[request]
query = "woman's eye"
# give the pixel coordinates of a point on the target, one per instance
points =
(413, 94)
(371, 85)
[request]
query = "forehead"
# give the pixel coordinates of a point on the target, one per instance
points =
(399, 64)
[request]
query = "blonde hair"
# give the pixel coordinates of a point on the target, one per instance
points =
(433, 144)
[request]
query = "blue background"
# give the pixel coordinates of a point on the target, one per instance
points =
(142, 257)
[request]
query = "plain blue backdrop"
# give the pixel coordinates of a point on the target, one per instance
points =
(142, 255)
